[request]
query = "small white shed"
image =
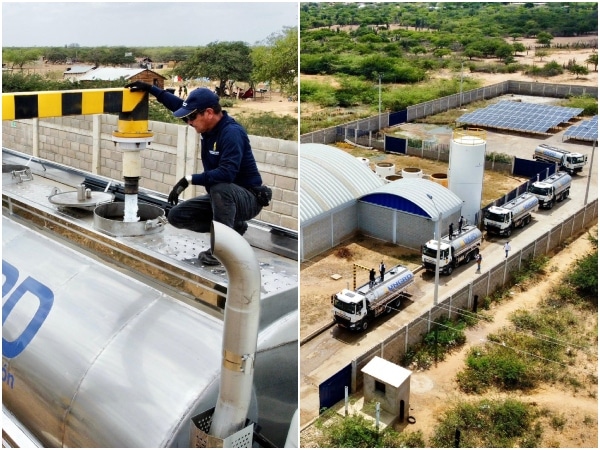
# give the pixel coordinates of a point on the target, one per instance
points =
(388, 384)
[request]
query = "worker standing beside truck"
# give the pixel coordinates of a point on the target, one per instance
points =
(235, 193)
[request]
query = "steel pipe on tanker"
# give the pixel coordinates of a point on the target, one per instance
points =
(242, 311)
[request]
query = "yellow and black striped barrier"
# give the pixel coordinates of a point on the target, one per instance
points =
(354, 272)
(132, 107)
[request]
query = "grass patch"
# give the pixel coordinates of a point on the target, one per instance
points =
(445, 336)
(544, 345)
(488, 423)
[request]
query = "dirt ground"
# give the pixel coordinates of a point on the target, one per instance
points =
(434, 390)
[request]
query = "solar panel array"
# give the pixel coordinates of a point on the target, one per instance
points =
(585, 131)
(528, 117)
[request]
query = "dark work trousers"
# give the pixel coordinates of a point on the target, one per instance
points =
(227, 203)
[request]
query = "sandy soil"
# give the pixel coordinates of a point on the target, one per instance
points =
(434, 390)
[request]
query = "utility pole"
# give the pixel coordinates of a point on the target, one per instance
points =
(379, 101)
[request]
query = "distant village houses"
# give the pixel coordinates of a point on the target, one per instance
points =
(92, 73)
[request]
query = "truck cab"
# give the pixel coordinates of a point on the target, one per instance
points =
(430, 254)
(349, 308)
(574, 162)
(355, 309)
(498, 219)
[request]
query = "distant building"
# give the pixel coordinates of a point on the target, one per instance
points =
(130, 75)
(76, 72)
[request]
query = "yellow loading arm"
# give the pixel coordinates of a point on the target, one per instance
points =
(358, 266)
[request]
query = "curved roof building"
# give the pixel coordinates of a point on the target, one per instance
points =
(329, 179)
(340, 195)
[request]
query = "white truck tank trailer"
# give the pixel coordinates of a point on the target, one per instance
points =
(101, 350)
(568, 161)
(355, 309)
(553, 189)
(462, 248)
(94, 358)
(503, 219)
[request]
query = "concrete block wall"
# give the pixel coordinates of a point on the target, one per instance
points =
(85, 143)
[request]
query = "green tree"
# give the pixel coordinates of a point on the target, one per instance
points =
(19, 57)
(518, 48)
(278, 62)
(593, 59)
(577, 70)
(221, 61)
(544, 38)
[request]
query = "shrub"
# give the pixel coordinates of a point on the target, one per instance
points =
(487, 423)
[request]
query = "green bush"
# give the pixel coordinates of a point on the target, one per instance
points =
(498, 157)
(494, 365)
(487, 423)
(356, 431)
(589, 104)
(585, 277)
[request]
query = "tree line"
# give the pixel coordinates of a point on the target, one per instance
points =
(427, 38)
(491, 19)
(274, 61)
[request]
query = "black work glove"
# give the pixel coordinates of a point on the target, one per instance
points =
(177, 189)
(138, 86)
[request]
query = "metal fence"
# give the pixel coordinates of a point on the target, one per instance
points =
(421, 110)
(395, 346)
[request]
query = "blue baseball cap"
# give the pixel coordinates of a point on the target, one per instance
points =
(199, 99)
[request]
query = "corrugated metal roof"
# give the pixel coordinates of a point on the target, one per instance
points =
(410, 195)
(110, 74)
(77, 69)
(329, 178)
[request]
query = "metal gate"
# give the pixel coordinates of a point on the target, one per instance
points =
(530, 168)
(332, 390)
(395, 144)
(396, 118)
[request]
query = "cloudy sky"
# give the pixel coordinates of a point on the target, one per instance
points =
(142, 24)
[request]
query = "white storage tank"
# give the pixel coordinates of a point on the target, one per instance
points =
(385, 169)
(365, 161)
(466, 169)
(439, 178)
(412, 172)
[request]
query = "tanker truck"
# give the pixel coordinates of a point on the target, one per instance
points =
(515, 213)
(355, 309)
(553, 189)
(571, 162)
(460, 249)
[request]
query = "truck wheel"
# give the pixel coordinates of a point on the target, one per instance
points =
(566, 194)
(397, 303)
(468, 257)
(364, 325)
(388, 309)
(508, 232)
(449, 269)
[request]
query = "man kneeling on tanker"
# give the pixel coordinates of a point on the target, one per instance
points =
(235, 193)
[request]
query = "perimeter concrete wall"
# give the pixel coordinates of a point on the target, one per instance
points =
(85, 143)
